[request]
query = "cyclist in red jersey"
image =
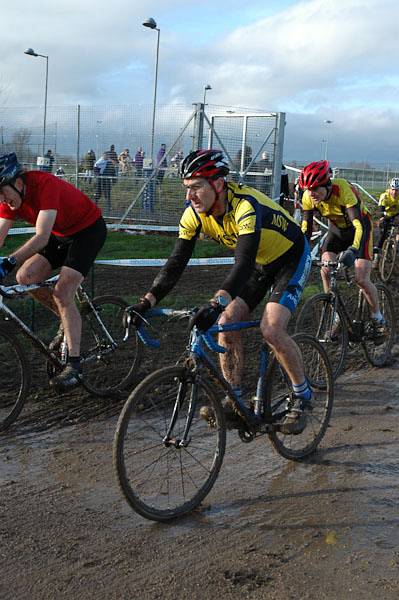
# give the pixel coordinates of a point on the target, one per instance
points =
(70, 231)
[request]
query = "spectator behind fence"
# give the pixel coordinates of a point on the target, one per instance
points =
(139, 161)
(177, 158)
(88, 165)
(105, 171)
(50, 162)
(265, 167)
(285, 191)
(111, 154)
(60, 172)
(161, 163)
(125, 163)
(113, 157)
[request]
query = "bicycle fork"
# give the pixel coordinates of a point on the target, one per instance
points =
(181, 442)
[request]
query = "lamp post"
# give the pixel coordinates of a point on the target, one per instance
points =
(328, 123)
(151, 23)
(31, 52)
(206, 88)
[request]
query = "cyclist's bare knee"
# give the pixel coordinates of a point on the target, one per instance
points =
(66, 286)
(33, 270)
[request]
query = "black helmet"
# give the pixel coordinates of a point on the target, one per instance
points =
(209, 164)
(9, 168)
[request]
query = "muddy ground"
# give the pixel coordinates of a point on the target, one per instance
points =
(326, 528)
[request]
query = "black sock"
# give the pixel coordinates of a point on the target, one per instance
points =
(75, 361)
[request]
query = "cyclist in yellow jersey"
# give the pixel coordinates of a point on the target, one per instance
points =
(389, 205)
(269, 249)
(350, 232)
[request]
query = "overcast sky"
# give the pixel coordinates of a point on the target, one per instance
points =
(316, 60)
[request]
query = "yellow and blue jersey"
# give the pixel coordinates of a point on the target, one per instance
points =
(247, 211)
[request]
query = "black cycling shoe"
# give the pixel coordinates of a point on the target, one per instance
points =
(69, 378)
(295, 420)
(376, 331)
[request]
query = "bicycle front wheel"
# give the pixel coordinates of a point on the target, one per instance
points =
(109, 363)
(166, 456)
(319, 319)
(279, 394)
(15, 378)
(378, 352)
(387, 261)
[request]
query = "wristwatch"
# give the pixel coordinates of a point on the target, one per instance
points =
(222, 301)
(12, 261)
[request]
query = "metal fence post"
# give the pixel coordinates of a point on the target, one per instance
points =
(77, 148)
(278, 154)
(198, 135)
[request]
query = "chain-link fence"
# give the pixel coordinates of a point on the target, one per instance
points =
(133, 184)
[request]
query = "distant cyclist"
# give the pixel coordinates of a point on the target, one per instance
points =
(269, 249)
(350, 231)
(69, 232)
(389, 206)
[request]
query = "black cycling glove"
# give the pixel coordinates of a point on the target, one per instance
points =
(137, 312)
(206, 316)
(348, 256)
(6, 266)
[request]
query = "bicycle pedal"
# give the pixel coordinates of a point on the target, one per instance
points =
(246, 436)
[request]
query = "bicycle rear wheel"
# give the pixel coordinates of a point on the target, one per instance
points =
(159, 479)
(377, 353)
(14, 377)
(108, 366)
(278, 398)
(319, 319)
(387, 261)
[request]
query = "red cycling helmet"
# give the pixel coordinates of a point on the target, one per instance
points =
(209, 164)
(315, 174)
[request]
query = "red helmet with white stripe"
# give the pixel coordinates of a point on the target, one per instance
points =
(209, 164)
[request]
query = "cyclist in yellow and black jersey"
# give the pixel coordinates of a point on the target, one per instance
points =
(247, 211)
(269, 250)
(389, 205)
(348, 218)
(350, 231)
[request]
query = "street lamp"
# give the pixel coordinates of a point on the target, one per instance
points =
(31, 52)
(151, 23)
(328, 123)
(206, 88)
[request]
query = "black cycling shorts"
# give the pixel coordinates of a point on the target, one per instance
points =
(77, 251)
(287, 276)
(337, 240)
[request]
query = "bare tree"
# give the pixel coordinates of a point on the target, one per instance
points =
(20, 144)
